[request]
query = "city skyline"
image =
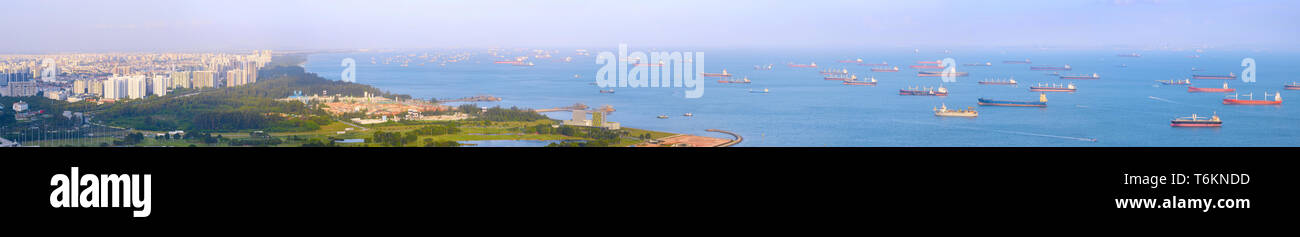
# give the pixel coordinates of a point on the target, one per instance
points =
(197, 25)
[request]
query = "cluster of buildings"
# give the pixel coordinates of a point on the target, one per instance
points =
(373, 106)
(111, 77)
(597, 119)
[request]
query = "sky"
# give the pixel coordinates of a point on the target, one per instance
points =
(200, 25)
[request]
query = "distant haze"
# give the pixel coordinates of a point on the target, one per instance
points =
(169, 25)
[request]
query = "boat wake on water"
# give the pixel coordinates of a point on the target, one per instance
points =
(1004, 131)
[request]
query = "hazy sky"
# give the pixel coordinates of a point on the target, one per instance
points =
(145, 25)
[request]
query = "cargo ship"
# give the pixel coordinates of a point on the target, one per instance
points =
(882, 63)
(1292, 86)
(1230, 76)
(930, 62)
(1017, 62)
(1277, 100)
(895, 69)
(723, 74)
(811, 65)
(829, 71)
(927, 67)
(924, 91)
(1176, 82)
(764, 91)
(1195, 121)
(1042, 102)
(1011, 81)
(610, 91)
(660, 64)
(1094, 76)
(851, 61)
(940, 74)
(841, 77)
(741, 81)
(761, 67)
(523, 64)
(945, 112)
(978, 64)
(1053, 88)
(856, 82)
(1225, 88)
(1050, 68)
(1131, 55)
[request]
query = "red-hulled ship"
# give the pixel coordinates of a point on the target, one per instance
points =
(741, 81)
(1230, 76)
(856, 82)
(1292, 86)
(1050, 68)
(723, 74)
(1277, 100)
(1053, 88)
(940, 74)
(924, 91)
(1017, 62)
(927, 67)
(978, 64)
(895, 69)
(1094, 76)
(1195, 121)
(1012, 81)
(660, 64)
(812, 65)
(882, 63)
(851, 61)
(1198, 89)
(1176, 82)
(930, 62)
(829, 71)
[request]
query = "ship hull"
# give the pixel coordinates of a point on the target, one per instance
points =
(1213, 77)
(1290, 87)
(995, 83)
(926, 67)
(1208, 90)
(859, 83)
(988, 102)
(1250, 102)
(734, 82)
(1079, 78)
(956, 115)
(1195, 124)
(1040, 89)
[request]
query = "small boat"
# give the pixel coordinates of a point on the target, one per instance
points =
(1230, 76)
(895, 69)
(1225, 88)
(851, 61)
(1042, 102)
(1196, 70)
(1053, 88)
(1277, 100)
(663, 116)
(924, 91)
(978, 64)
(610, 91)
(945, 112)
(1195, 121)
(1051, 68)
(1131, 55)
(1176, 82)
(1094, 76)
(856, 82)
(1017, 62)
(576, 76)
(723, 74)
(764, 91)
(1012, 81)
(1292, 86)
(688, 115)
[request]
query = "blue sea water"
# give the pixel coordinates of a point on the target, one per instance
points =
(1126, 107)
